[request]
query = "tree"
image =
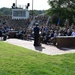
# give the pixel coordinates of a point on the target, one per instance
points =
(6, 11)
(63, 9)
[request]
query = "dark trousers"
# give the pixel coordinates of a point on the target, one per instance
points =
(36, 40)
(4, 37)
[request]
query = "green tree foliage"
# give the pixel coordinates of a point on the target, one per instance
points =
(5, 11)
(36, 12)
(8, 11)
(1, 13)
(64, 9)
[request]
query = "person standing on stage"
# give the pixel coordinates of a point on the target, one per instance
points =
(36, 35)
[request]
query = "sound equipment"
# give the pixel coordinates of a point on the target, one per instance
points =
(13, 4)
(28, 4)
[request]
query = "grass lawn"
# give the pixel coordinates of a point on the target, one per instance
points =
(16, 60)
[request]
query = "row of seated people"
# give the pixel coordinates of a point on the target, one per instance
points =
(11, 27)
(46, 37)
(50, 37)
(21, 33)
(16, 24)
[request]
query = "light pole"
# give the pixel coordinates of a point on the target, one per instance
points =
(16, 3)
(32, 9)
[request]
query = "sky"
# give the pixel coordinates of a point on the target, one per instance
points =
(37, 4)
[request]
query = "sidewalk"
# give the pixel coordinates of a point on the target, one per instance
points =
(47, 49)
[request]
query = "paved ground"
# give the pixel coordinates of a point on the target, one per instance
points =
(47, 49)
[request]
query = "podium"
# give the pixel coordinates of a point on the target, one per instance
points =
(39, 40)
(65, 41)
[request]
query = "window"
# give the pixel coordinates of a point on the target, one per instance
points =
(19, 13)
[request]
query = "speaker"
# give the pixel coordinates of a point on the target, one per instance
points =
(13, 4)
(28, 4)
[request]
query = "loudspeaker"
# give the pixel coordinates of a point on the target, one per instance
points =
(28, 4)
(13, 4)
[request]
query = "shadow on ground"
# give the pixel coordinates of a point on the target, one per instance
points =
(39, 48)
(66, 49)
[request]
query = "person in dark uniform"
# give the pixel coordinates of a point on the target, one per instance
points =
(36, 35)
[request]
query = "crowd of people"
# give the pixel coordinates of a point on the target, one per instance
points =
(7, 24)
(50, 31)
(47, 32)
